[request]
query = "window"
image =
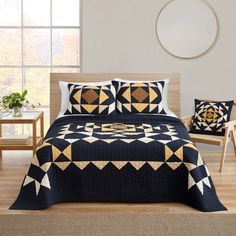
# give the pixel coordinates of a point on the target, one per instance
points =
(37, 37)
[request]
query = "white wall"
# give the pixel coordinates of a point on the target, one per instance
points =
(119, 36)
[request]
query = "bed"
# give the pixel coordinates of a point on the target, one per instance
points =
(117, 158)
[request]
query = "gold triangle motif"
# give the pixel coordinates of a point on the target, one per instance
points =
(103, 97)
(35, 160)
(137, 164)
(152, 94)
(100, 164)
(55, 153)
(155, 164)
(62, 165)
(45, 167)
(119, 164)
(139, 106)
(77, 96)
(173, 165)
(81, 164)
(179, 153)
(168, 153)
(89, 108)
(127, 94)
(190, 166)
(67, 152)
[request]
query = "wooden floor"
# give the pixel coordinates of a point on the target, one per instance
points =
(15, 164)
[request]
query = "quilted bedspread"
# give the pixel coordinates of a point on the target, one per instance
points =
(120, 158)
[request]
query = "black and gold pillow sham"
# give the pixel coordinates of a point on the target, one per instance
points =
(143, 97)
(91, 99)
(210, 117)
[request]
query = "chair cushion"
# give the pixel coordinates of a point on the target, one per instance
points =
(210, 117)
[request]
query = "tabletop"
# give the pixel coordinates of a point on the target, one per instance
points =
(27, 116)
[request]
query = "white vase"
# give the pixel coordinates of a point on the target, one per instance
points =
(17, 112)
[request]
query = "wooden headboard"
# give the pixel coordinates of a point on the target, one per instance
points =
(55, 95)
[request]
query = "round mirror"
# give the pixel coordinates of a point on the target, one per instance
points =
(187, 28)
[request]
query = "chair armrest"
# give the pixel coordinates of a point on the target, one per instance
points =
(187, 121)
(231, 125)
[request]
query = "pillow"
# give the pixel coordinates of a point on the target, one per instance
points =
(91, 99)
(139, 97)
(65, 95)
(164, 95)
(210, 117)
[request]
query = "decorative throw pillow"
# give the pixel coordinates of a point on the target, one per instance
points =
(91, 99)
(210, 117)
(139, 97)
(65, 95)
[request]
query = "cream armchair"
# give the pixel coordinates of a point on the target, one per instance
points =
(230, 135)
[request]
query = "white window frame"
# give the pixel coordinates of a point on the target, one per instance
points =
(51, 27)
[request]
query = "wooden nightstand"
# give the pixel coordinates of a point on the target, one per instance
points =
(28, 118)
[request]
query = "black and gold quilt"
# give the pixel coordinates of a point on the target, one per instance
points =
(117, 158)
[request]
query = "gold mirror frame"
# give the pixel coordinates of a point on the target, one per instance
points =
(204, 52)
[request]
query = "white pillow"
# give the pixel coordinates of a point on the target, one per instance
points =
(65, 95)
(165, 92)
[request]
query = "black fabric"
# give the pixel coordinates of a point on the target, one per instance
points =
(142, 97)
(91, 99)
(210, 117)
(146, 158)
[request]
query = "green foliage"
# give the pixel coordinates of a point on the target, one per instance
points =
(14, 100)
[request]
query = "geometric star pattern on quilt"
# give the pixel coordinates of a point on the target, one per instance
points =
(137, 165)
(179, 153)
(199, 184)
(140, 97)
(112, 132)
(44, 182)
(88, 99)
(169, 153)
(56, 153)
(210, 117)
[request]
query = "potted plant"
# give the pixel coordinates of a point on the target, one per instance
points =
(14, 102)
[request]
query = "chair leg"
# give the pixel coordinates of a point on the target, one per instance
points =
(223, 157)
(224, 150)
(233, 135)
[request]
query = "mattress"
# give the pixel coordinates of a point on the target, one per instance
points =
(117, 158)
